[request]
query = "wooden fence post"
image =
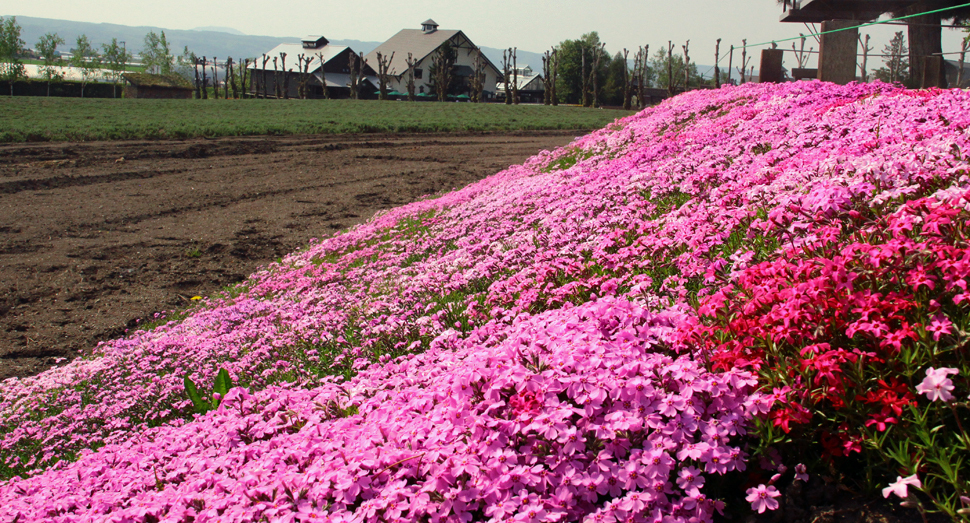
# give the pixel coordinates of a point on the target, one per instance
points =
(771, 66)
(837, 52)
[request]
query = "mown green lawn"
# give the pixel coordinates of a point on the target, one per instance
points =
(74, 119)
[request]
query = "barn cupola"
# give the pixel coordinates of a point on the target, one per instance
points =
(429, 26)
(314, 42)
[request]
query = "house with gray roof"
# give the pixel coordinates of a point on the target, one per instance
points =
(330, 63)
(529, 85)
(423, 44)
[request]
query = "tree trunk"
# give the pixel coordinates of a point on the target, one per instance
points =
(555, 77)
(925, 33)
(215, 79)
(582, 52)
(515, 77)
(717, 70)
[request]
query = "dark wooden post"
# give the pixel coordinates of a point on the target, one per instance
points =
(837, 52)
(771, 65)
(932, 68)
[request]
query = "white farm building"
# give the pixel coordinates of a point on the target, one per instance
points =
(422, 44)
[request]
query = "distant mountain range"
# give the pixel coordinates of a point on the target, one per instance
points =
(207, 41)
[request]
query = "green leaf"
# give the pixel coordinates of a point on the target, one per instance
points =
(223, 383)
(200, 405)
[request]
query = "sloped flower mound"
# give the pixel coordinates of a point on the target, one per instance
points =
(672, 317)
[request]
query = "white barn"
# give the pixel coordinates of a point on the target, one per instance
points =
(422, 44)
(327, 61)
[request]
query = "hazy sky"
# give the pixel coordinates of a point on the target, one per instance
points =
(532, 25)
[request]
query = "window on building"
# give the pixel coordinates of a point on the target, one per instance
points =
(418, 73)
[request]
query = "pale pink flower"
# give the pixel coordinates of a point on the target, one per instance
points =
(936, 385)
(900, 486)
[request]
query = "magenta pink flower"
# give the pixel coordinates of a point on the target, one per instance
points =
(801, 472)
(763, 498)
(940, 326)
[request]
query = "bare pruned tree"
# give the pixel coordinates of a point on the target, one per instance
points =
(264, 84)
(515, 77)
(243, 70)
(215, 78)
(304, 68)
(276, 78)
(506, 78)
(443, 64)
(594, 73)
(863, 69)
(627, 81)
(410, 81)
(964, 47)
(639, 77)
(686, 48)
(229, 79)
(383, 72)
(546, 78)
(744, 59)
(352, 65)
(198, 81)
(323, 76)
(801, 55)
(555, 77)
(301, 76)
(205, 79)
(286, 77)
(717, 60)
(671, 83)
(478, 77)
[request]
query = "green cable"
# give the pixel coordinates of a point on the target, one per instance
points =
(857, 26)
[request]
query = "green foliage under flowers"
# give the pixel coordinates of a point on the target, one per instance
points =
(210, 401)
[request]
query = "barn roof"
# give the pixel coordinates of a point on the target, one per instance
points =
(420, 44)
(329, 52)
(165, 81)
(414, 41)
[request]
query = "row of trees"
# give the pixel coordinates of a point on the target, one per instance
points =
(583, 72)
(108, 62)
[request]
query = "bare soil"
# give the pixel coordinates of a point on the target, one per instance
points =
(97, 236)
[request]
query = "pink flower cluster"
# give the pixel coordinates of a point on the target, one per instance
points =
(578, 412)
(516, 350)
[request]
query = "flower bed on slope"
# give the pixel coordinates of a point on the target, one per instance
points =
(592, 325)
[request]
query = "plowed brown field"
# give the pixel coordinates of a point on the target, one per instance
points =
(97, 236)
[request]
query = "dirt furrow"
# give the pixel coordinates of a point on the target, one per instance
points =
(95, 237)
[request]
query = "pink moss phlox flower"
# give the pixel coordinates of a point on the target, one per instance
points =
(762, 498)
(801, 472)
(524, 348)
(901, 485)
(936, 385)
